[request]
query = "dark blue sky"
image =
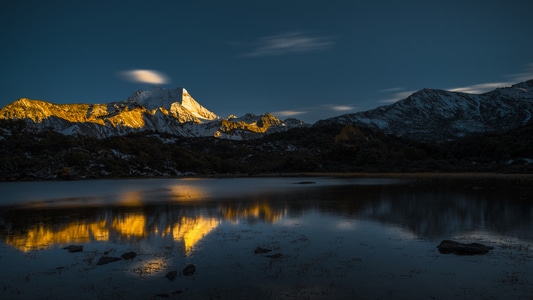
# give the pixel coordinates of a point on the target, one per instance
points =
(304, 59)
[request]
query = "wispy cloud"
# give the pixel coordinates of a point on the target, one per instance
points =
(342, 107)
(294, 42)
(489, 86)
(395, 94)
(398, 93)
(394, 89)
(289, 113)
(146, 76)
(315, 112)
(526, 75)
(480, 88)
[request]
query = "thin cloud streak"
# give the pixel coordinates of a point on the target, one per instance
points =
(524, 76)
(470, 89)
(397, 96)
(295, 42)
(316, 112)
(487, 87)
(395, 89)
(289, 113)
(342, 107)
(480, 88)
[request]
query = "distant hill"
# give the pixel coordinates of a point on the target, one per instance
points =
(437, 115)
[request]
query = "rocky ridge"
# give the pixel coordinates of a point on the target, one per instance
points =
(437, 115)
(171, 111)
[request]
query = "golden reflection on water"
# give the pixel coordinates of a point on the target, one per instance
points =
(188, 192)
(261, 211)
(133, 225)
(192, 230)
(42, 237)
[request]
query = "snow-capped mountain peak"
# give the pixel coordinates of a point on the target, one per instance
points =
(172, 111)
(177, 101)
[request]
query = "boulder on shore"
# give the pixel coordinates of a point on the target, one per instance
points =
(447, 247)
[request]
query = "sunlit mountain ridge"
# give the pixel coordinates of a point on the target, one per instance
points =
(171, 111)
(429, 114)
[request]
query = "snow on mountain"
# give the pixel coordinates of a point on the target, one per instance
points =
(178, 102)
(435, 115)
(172, 111)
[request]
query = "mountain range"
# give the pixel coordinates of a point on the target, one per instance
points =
(171, 111)
(436, 115)
(426, 115)
(168, 133)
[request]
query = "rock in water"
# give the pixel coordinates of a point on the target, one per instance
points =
(275, 256)
(447, 247)
(260, 250)
(107, 259)
(172, 275)
(129, 255)
(189, 270)
(74, 248)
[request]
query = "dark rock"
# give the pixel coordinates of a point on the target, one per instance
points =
(305, 182)
(107, 259)
(163, 295)
(260, 250)
(277, 255)
(447, 247)
(172, 275)
(189, 270)
(74, 248)
(129, 255)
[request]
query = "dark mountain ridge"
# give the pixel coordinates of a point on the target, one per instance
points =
(437, 115)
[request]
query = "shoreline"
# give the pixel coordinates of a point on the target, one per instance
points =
(517, 178)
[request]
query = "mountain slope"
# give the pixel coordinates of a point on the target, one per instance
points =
(172, 111)
(435, 115)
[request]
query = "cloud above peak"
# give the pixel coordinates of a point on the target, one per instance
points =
(145, 76)
(480, 88)
(293, 42)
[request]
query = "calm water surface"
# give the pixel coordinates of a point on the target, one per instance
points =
(328, 238)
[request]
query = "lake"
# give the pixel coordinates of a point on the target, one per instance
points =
(264, 238)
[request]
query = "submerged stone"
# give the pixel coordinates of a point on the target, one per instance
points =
(129, 255)
(260, 250)
(189, 270)
(447, 247)
(171, 275)
(275, 256)
(74, 248)
(107, 259)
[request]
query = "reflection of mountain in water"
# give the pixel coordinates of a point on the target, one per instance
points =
(436, 212)
(52, 228)
(47, 228)
(426, 211)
